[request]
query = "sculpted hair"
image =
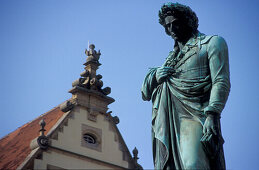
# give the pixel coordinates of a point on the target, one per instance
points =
(180, 11)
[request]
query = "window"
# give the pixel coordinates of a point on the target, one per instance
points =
(89, 138)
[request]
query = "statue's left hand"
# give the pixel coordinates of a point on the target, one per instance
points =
(211, 124)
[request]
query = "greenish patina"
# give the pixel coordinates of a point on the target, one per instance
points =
(188, 93)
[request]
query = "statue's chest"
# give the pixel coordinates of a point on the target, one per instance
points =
(190, 63)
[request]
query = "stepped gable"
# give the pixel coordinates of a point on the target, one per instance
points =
(15, 147)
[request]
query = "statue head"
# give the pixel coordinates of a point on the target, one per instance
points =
(179, 21)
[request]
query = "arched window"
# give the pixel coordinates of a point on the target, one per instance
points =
(89, 138)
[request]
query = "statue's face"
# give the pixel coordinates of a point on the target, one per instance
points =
(177, 28)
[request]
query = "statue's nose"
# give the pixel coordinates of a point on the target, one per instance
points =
(171, 27)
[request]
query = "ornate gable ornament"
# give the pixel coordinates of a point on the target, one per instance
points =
(88, 90)
(89, 80)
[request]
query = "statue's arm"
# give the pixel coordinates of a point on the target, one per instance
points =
(219, 70)
(149, 84)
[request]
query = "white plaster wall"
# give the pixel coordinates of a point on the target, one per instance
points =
(70, 138)
(65, 161)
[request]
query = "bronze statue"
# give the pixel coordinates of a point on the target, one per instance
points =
(188, 93)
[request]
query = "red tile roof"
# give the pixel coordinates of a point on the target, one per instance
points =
(15, 147)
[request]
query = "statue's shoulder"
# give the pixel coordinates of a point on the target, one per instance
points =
(215, 44)
(214, 40)
(205, 38)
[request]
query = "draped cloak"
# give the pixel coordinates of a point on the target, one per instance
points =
(200, 83)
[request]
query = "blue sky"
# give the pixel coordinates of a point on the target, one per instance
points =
(42, 51)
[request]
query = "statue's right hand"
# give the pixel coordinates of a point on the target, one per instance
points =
(162, 73)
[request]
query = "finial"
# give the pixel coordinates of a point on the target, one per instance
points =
(93, 56)
(89, 79)
(135, 153)
(135, 159)
(42, 124)
(42, 140)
